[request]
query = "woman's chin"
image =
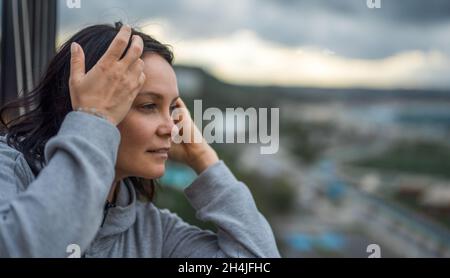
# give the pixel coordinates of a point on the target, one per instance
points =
(155, 172)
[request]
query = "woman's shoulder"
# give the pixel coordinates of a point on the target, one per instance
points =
(148, 208)
(159, 217)
(8, 154)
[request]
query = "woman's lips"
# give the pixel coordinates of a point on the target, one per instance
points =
(163, 152)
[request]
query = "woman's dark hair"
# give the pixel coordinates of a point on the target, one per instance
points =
(49, 102)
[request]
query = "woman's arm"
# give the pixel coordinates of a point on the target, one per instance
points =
(64, 204)
(218, 197)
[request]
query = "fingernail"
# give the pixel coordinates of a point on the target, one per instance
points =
(74, 47)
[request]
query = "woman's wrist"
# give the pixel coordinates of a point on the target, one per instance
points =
(95, 112)
(203, 159)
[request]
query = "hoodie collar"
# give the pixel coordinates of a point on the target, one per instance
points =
(121, 217)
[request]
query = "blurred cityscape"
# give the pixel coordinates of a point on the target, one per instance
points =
(355, 167)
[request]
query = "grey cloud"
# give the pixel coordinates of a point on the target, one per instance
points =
(347, 27)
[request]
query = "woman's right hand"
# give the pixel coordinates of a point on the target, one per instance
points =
(113, 83)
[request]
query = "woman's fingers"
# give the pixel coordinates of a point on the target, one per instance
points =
(77, 63)
(117, 49)
(180, 104)
(137, 68)
(181, 110)
(134, 52)
(141, 80)
(188, 125)
(136, 73)
(117, 46)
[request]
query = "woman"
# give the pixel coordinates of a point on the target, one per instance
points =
(96, 135)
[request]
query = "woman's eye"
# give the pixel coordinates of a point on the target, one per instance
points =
(150, 106)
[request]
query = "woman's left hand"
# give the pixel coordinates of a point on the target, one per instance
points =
(198, 156)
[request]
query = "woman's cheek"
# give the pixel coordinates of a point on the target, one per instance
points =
(146, 129)
(139, 129)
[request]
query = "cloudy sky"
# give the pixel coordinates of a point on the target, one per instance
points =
(322, 43)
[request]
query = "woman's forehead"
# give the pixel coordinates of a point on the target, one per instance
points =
(160, 76)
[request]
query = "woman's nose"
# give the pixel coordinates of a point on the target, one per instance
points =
(166, 126)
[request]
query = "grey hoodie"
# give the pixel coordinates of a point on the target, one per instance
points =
(41, 216)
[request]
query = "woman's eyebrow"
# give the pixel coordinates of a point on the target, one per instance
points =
(159, 96)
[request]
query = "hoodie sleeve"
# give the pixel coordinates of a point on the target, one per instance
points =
(218, 197)
(64, 204)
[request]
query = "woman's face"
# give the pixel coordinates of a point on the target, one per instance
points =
(146, 130)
